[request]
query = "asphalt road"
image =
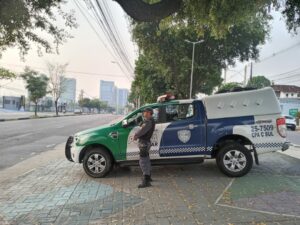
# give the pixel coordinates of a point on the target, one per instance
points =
(22, 139)
(294, 137)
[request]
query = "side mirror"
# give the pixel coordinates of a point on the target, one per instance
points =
(125, 123)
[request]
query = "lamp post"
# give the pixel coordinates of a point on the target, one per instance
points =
(194, 43)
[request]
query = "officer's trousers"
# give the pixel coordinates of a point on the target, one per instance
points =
(144, 161)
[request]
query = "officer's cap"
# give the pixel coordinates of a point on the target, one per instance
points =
(148, 110)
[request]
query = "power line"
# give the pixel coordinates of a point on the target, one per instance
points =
(93, 28)
(279, 52)
(286, 73)
(271, 56)
(71, 71)
(283, 78)
(105, 24)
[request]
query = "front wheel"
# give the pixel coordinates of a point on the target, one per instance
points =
(234, 160)
(97, 163)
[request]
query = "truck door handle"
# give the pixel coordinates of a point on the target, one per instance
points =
(192, 126)
(114, 134)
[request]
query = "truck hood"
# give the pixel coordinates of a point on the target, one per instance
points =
(94, 130)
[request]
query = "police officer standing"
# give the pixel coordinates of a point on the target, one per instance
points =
(144, 135)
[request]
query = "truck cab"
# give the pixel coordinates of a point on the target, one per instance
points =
(233, 128)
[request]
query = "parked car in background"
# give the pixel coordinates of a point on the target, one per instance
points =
(77, 111)
(290, 122)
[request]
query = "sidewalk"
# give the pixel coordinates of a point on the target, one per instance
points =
(47, 189)
(293, 151)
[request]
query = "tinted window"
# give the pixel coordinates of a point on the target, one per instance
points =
(171, 113)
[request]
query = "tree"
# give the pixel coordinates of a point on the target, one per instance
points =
(36, 84)
(259, 82)
(229, 86)
(25, 22)
(169, 57)
(6, 74)
(220, 16)
(95, 103)
(85, 102)
(56, 81)
(142, 11)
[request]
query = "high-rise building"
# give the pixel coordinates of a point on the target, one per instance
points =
(122, 97)
(69, 93)
(108, 92)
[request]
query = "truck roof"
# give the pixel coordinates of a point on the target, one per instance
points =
(245, 103)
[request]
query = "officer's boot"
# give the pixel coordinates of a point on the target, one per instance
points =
(149, 178)
(145, 182)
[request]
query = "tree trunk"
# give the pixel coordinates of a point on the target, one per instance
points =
(56, 109)
(35, 110)
(142, 11)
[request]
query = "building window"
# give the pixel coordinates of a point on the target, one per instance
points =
(292, 94)
(298, 95)
(287, 95)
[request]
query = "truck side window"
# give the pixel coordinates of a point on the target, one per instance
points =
(171, 113)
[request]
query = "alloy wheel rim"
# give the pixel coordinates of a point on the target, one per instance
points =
(96, 163)
(234, 160)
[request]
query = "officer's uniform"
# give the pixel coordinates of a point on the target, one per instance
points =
(144, 135)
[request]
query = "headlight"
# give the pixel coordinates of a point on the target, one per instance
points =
(79, 140)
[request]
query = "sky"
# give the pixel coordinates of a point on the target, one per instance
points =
(87, 54)
(84, 53)
(280, 54)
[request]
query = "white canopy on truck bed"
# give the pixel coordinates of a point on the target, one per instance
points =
(245, 103)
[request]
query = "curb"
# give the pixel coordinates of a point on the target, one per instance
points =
(42, 117)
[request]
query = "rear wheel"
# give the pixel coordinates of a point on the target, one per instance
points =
(97, 163)
(234, 160)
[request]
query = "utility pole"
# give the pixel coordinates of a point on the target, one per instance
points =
(251, 68)
(225, 74)
(245, 76)
(192, 69)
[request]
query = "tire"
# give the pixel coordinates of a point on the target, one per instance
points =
(97, 162)
(234, 160)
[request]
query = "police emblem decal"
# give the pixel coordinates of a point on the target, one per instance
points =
(184, 135)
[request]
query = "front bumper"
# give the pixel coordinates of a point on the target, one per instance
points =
(285, 146)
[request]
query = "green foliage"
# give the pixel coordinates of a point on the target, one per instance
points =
(291, 13)
(36, 84)
(21, 22)
(92, 103)
(84, 102)
(229, 86)
(149, 82)
(6, 74)
(165, 59)
(219, 16)
(259, 82)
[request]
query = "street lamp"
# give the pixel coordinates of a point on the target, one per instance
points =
(194, 43)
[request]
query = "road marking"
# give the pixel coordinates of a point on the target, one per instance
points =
(245, 209)
(50, 146)
(221, 195)
(259, 211)
(26, 172)
(19, 136)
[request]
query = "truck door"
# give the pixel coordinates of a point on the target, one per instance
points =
(184, 131)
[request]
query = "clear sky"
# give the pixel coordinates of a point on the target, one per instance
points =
(280, 54)
(86, 53)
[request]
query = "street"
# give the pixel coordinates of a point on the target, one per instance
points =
(293, 137)
(22, 139)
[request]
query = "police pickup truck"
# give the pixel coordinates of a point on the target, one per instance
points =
(233, 128)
